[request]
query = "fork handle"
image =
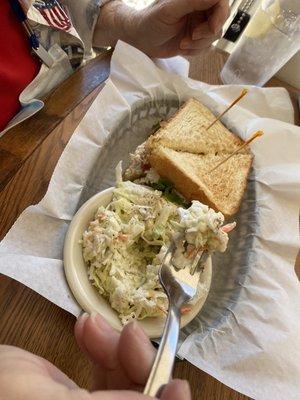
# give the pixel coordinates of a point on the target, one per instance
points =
(161, 370)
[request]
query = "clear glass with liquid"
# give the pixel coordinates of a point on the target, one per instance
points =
(271, 38)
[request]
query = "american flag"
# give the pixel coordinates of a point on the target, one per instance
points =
(54, 13)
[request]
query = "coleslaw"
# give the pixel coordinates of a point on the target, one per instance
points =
(125, 244)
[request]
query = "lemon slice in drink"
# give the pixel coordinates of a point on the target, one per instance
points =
(261, 22)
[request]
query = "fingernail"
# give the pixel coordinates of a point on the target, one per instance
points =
(101, 322)
(199, 34)
(139, 332)
(136, 327)
(183, 389)
(82, 317)
(216, 28)
(184, 44)
(179, 387)
(186, 390)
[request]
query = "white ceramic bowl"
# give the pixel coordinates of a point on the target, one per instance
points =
(83, 290)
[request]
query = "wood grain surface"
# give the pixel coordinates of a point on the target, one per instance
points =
(28, 156)
(21, 141)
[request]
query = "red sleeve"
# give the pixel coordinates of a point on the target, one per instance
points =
(18, 67)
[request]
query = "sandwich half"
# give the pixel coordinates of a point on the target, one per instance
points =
(184, 152)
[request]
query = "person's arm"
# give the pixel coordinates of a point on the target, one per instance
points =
(165, 28)
(116, 21)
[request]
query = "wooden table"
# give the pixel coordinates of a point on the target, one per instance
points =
(28, 155)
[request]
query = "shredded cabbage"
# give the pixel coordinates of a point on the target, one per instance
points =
(125, 243)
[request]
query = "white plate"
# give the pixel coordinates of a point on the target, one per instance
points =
(82, 289)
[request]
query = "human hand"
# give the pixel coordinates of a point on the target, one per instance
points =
(185, 27)
(167, 27)
(121, 364)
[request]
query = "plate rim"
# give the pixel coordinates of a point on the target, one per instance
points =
(77, 288)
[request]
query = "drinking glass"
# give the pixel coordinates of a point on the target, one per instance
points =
(271, 38)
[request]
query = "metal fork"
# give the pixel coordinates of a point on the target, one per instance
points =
(181, 287)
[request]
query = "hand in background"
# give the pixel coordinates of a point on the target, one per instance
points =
(121, 364)
(165, 28)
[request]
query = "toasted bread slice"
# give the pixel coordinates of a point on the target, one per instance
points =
(186, 131)
(221, 189)
(184, 151)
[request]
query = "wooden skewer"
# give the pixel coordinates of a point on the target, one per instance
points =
(243, 93)
(254, 136)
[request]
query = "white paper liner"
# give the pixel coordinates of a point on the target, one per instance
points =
(248, 333)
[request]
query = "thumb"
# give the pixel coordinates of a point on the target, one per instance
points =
(176, 390)
(173, 10)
